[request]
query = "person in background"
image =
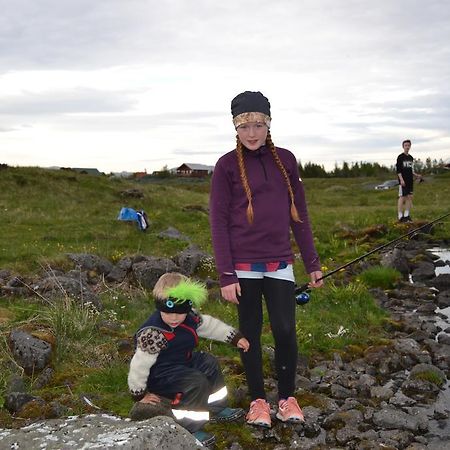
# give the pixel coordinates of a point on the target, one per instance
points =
(256, 198)
(405, 174)
(165, 364)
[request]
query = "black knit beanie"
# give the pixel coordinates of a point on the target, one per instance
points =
(249, 101)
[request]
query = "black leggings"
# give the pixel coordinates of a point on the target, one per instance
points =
(280, 302)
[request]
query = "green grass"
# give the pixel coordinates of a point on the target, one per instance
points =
(430, 376)
(378, 276)
(337, 317)
(71, 323)
(46, 214)
(55, 212)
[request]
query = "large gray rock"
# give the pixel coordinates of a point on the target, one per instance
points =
(15, 400)
(443, 299)
(395, 438)
(392, 418)
(4, 274)
(444, 338)
(56, 287)
(148, 271)
(15, 286)
(437, 375)
(88, 262)
(441, 282)
(381, 392)
(30, 353)
(101, 432)
(189, 259)
(120, 270)
(424, 271)
(421, 390)
(396, 259)
(339, 419)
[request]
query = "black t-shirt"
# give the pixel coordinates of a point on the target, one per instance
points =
(405, 167)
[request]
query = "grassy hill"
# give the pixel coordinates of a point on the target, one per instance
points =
(46, 213)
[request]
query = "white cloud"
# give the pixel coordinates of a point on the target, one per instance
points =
(117, 84)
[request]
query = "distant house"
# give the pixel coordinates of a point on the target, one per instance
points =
(84, 170)
(138, 175)
(194, 170)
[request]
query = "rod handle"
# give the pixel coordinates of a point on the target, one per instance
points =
(302, 288)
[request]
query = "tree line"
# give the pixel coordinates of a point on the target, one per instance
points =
(366, 169)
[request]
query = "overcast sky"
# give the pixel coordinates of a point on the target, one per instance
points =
(136, 85)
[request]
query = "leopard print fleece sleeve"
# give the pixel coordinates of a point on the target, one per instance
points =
(150, 342)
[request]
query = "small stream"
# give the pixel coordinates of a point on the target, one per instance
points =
(439, 431)
(444, 255)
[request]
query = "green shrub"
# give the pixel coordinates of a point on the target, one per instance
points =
(381, 277)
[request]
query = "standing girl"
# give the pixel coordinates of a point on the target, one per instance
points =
(256, 198)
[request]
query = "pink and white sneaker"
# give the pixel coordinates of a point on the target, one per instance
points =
(259, 413)
(289, 411)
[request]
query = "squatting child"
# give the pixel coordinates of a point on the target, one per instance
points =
(164, 362)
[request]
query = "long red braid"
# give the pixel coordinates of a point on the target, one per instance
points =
(240, 156)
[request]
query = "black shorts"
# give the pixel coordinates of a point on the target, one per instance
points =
(404, 191)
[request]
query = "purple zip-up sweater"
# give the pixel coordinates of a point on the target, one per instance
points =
(268, 238)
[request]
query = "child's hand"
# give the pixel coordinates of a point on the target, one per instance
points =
(243, 344)
(153, 399)
(231, 293)
(316, 280)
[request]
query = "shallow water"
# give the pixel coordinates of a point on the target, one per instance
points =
(444, 255)
(440, 429)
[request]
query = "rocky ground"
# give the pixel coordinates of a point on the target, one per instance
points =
(392, 396)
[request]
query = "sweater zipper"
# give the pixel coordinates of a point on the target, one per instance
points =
(263, 166)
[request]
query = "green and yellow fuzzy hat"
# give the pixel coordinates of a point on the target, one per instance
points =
(182, 297)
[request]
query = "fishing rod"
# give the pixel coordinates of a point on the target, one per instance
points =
(301, 292)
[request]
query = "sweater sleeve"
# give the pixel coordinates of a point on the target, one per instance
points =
(150, 342)
(302, 230)
(213, 328)
(219, 205)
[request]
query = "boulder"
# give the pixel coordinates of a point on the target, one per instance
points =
(189, 259)
(430, 371)
(396, 259)
(14, 401)
(396, 419)
(30, 353)
(100, 431)
(443, 299)
(90, 262)
(120, 270)
(441, 282)
(424, 271)
(148, 271)
(55, 287)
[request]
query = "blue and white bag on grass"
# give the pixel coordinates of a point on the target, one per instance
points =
(131, 215)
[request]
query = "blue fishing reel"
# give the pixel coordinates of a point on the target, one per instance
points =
(302, 294)
(302, 298)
